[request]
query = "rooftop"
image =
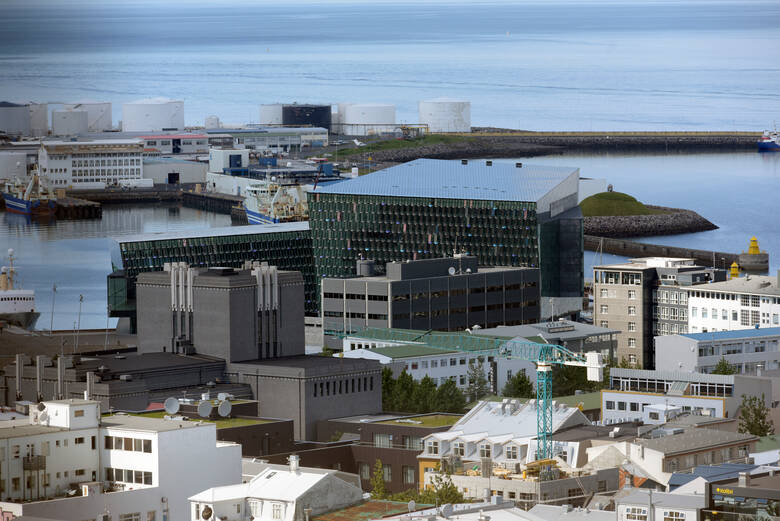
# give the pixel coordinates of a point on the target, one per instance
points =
(695, 440)
(55, 143)
(221, 423)
(753, 284)
(427, 420)
(558, 513)
(663, 499)
(564, 330)
(23, 428)
(217, 232)
(677, 376)
(408, 351)
(712, 473)
(367, 511)
(146, 424)
(441, 179)
(736, 334)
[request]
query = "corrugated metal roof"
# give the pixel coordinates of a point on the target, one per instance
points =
(672, 375)
(732, 335)
(452, 180)
(695, 440)
(226, 231)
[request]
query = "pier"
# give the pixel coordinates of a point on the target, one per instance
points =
(213, 202)
(628, 248)
(75, 208)
(129, 195)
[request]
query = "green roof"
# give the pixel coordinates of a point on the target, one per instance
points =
(767, 443)
(461, 341)
(372, 509)
(427, 420)
(589, 400)
(408, 351)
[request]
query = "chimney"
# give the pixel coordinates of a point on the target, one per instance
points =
(39, 378)
(60, 378)
(744, 479)
(90, 385)
(294, 461)
(19, 370)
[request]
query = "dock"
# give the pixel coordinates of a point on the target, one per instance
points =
(238, 215)
(75, 208)
(128, 195)
(213, 202)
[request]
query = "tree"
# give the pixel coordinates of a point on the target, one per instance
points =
(754, 416)
(424, 395)
(519, 386)
(724, 367)
(378, 488)
(402, 393)
(449, 398)
(442, 490)
(477, 382)
(388, 384)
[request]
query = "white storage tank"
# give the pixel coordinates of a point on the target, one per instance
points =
(14, 119)
(271, 114)
(341, 109)
(69, 122)
(99, 115)
(13, 165)
(213, 122)
(153, 115)
(361, 119)
(39, 119)
(446, 115)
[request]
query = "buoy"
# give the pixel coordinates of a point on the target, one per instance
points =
(734, 271)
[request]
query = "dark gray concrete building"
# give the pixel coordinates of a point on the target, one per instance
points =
(444, 294)
(236, 315)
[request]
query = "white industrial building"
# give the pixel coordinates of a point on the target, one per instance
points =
(715, 395)
(14, 119)
(212, 122)
(445, 115)
(279, 492)
(749, 350)
(91, 164)
(69, 122)
(153, 115)
(168, 170)
(365, 119)
(172, 144)
(99, 118)
(739, 303)
(67, 462)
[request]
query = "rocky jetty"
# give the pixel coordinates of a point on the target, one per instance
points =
(672, 222)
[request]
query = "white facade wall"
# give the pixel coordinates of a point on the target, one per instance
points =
(99, 118)
(39, 119)
(680, 353)
(731, 310)
(90, 167)
(153, 115)
(627, 511)
(15, 121)
(194, 144)
(633, 403)
(445, 115)
(69, 122)
(13, 165)
(219, 158)
(189, 171)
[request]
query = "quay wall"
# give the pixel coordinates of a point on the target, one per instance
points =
(629, 248)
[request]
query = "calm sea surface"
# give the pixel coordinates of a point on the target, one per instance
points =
(552, 64)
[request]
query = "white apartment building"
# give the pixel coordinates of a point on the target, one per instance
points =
(68, 462)
(91, 164)
(739, 303)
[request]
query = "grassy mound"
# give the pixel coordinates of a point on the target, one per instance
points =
(614, 203)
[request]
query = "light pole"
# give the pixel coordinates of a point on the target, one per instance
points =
(53, 297)
(78, 327)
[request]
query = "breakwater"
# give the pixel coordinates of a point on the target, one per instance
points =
(628, 248)
(673, 221)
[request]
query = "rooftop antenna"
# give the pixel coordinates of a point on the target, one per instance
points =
(204, 409)
(224, 408)
(172, 405)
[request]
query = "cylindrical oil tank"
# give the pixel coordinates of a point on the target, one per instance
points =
(213, 122)
(39, 119)
(307, 115)
(341, 110)
(69, 122)
(155, 115)
(14, 119)
(99, 117)
(446, 115)
(271, 114)
(360, 119)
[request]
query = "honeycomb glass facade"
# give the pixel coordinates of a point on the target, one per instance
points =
(385, 229)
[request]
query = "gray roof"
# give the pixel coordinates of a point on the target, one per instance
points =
(146, 424)
(663, 499)
(23, 428)
(753, 284)
(678, 376)
(452, 180)
(562, 513)
(225, 231)
(541, 329)
(696, 439)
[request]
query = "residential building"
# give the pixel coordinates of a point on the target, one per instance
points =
(739, 303)
(287, 493)
(750, 351)
(91, 164)
(644, 505)
(68, 463)
(644, 297)
(632, 390)
(447, 294)
(236, 315)
(504, 214)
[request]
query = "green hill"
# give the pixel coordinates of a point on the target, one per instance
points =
(614, 203)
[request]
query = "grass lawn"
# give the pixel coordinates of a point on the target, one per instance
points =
(430, 420)
(614, 204)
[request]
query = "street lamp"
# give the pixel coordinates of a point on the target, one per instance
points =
(78, 327)
(53, 297)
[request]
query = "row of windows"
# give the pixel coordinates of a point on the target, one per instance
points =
(336, 387)
(17, 299)
(140, 477)
(130, 444)
(407, 472)
(617, 277)
(604, 309)
(78, 163)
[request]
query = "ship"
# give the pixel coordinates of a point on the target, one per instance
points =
(769, 142)
(17, 306)
(272, 201)
(31, 200)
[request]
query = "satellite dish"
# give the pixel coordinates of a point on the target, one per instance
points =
(412, 505)
(41, 406)
(451, 271)
(224, 408)
(204, 409)
(171, 405)
(206, 514)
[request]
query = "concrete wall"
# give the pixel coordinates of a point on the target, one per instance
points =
(189, 171)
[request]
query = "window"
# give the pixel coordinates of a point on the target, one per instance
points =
(636, 514)
(408, 473)
(632, 294)
(150, 515)
(433, 446)
(631, 310)
(610, 405)
(365, 471)
(673, 515)
(632, 359)
(484, 450)
(79, 472)
(694, 312)
(135, 516)
(621, 406)
(276, 511)
(601, 486)
(78, 441)
(511, 452)
(387, 473)
(604, 293)
(459, 448)
(604, 323)
(632, 326)
(632, 342)
(147, 446)
(383, 440)
(634, 406)
(78, 413)
(603, 308)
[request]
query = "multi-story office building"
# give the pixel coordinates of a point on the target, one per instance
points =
(644, 297)
(740, 303)
(632, 390)
(748, 350)
(276, 139)
(505, 214)
(448, 294)
(91, 164)
(167, 144)
(124, 467)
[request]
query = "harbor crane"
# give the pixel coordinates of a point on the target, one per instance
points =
(543, 355)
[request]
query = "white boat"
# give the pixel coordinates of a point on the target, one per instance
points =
(269, 202)
(17, 306)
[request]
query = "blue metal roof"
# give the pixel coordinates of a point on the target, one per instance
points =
(710, 473)
(733, 335)
(452, 180)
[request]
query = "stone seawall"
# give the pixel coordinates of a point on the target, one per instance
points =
(629, 248)
(673, 222)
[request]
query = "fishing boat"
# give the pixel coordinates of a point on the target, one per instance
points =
(769, 142)
(270, 201)
(17, 306)
(32, 199)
